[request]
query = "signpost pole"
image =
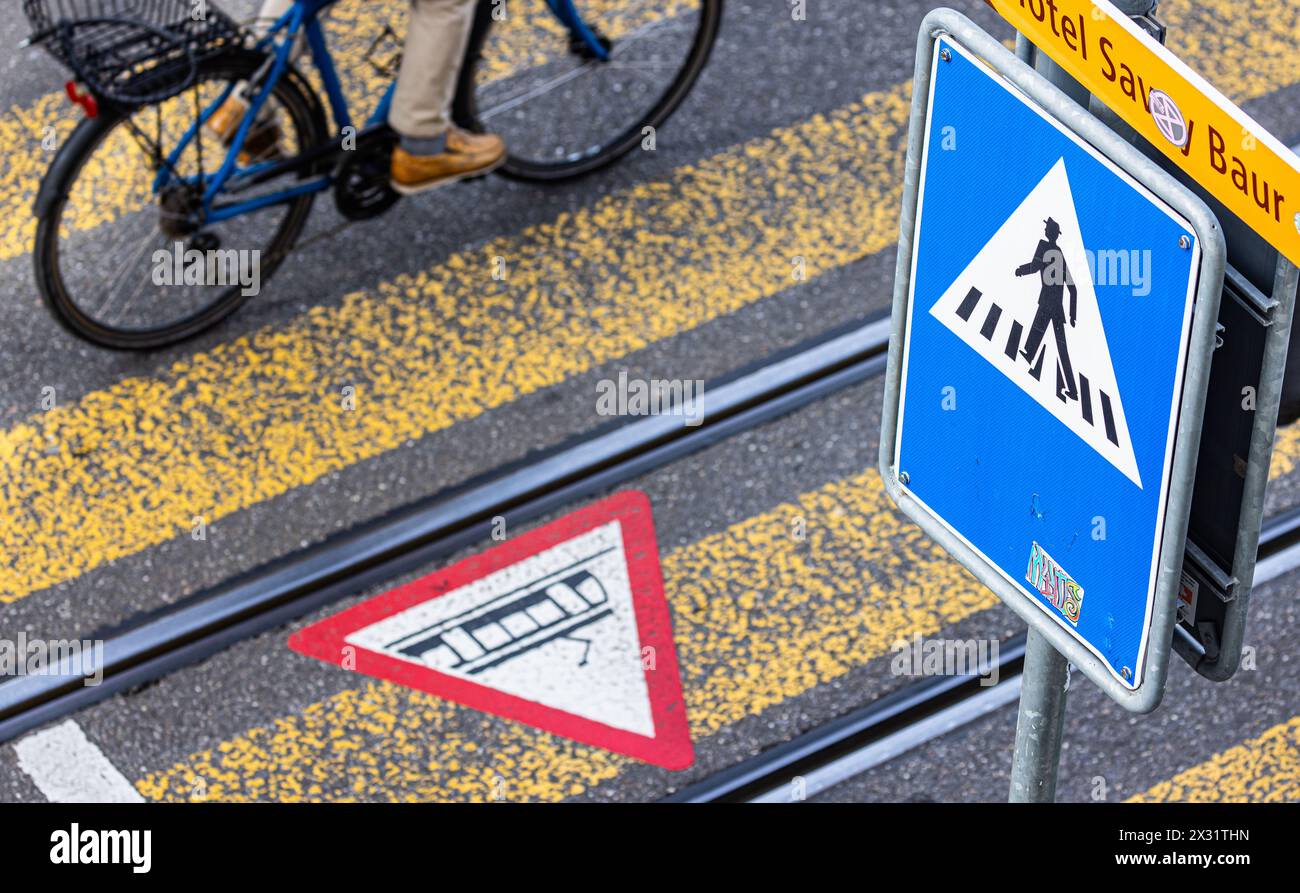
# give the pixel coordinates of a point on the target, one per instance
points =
(1046, 674)
(1038, 729)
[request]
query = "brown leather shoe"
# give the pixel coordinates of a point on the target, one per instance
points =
(467, 155)
(263, 140)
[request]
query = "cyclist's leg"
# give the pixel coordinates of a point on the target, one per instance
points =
(436, 36)
(263, 139)
(271, 12)
(431, 152)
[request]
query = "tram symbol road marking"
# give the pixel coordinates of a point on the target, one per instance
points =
(565, 628)
(1026, 304)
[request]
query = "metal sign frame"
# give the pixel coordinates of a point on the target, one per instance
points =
(1257, 305)
(1231, 593)
(956, 27)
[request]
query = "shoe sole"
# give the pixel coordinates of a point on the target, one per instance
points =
(417, 188)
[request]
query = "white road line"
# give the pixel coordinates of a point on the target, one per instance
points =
(69, 769)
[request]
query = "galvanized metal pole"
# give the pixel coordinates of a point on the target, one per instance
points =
(1038, 729)
(1042, 690)
(1046, 674)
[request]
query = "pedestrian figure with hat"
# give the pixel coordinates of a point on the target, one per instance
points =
(1049, 263)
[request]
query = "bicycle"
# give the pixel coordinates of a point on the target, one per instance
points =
(142, 164)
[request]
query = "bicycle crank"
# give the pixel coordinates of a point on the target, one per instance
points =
(361, 187)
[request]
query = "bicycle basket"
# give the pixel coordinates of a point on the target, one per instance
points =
(131, 51)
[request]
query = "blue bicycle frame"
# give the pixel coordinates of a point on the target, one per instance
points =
(302, 19)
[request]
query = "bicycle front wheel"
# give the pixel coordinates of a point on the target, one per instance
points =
(563, 113)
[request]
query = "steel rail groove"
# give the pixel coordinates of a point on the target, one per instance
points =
(350, 562)
(917, 713)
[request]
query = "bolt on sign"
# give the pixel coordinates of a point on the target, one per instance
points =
(1217, 144)
(1043, 401)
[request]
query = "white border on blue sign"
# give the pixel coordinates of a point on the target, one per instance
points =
(1139, 671)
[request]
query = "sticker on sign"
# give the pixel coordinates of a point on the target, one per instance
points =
(564, 628)
(1169, 118)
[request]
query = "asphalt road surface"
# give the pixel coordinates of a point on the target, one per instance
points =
(678, 263)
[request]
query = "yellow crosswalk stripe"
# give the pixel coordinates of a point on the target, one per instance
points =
(253, 418)
(759, 616)
(528, 37)
(1286, 452)
(1245, 49)
(1265, 769)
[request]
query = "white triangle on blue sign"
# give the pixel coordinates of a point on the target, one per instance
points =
(1021, 281)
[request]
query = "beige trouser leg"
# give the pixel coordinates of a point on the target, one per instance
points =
(435, 47)
(270, 13)
(225, 121)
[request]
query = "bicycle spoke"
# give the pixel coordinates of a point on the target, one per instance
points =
(586, 68)
(567, 113)
(105, 278)
(150, 149)
(655, 29)
(145, 242)
(540, 90)
(198, 136)
(131, 300)
(641, 66)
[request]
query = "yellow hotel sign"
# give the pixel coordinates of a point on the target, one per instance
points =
(1217, 144)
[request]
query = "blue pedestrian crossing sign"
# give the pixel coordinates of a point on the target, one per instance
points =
(1044, 328)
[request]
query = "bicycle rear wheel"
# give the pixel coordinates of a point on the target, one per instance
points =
(562, 113)
(114, 260)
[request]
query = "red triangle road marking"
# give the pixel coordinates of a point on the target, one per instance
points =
(565, 628)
